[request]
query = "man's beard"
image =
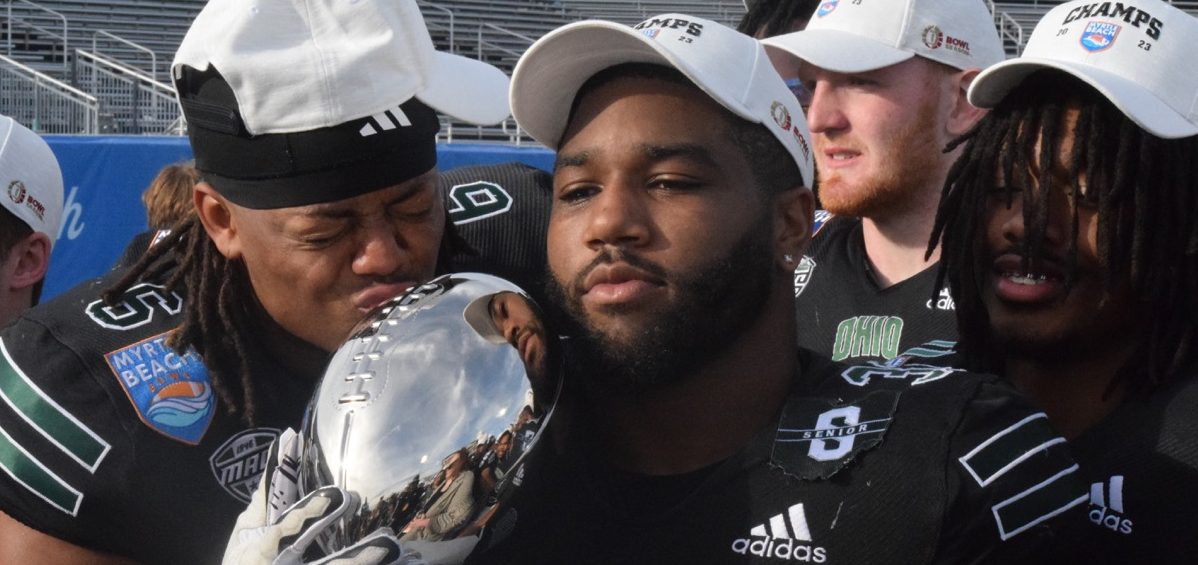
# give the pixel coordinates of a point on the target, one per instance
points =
(908, 162)
(715, 304)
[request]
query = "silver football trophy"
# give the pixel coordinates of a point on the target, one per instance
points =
(429, 412)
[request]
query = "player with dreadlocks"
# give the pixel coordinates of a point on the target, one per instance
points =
(1070, 241)
(138, 408)
(767, 18)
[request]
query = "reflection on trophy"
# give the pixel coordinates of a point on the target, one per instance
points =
(430, 411)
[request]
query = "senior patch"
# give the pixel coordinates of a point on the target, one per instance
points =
(819, 437)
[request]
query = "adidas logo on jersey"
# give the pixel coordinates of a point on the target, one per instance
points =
(1106, 508)
(776, 540)
(944, 301)
(385, 121)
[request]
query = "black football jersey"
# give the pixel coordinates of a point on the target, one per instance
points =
(867, 464)
(112, 441)
(1141, 463)
(501, 211)
(844, 314)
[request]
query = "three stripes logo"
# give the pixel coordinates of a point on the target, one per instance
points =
(1106, 506)
(386, 120)
(1026, 465)
(55, 425)
(777, 539)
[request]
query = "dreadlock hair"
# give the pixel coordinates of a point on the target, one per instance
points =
(1146, 197)
(217, 292)
(767, 18)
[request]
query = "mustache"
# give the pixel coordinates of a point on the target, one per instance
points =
(609, 256)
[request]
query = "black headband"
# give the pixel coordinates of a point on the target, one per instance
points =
(297, 169)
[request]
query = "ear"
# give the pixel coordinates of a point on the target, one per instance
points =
(30, 259)
(794, 212)
(962, 115)
(216, 215)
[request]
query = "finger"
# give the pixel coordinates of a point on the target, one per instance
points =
(283, 471)
(301, 524)
(379, 548)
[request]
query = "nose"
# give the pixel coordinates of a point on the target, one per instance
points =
(1009, 217)
(381, 252)
(824, 114)
(620, 217)
(1015, 226)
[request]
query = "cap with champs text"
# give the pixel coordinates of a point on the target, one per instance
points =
(854, 36)
(1139, 54)
(295, 102)
(732, 68)
(31, 178)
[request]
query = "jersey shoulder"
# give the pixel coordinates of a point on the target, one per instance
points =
(76, 376)
(500, 214)
(1006, 470)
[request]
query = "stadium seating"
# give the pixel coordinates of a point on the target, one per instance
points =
(496, 31)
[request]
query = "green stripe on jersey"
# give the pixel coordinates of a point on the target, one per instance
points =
(1008, 448)
(26, 470)
(1037, 504)
(47, 417)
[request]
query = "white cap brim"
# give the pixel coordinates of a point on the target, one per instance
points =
(478, 316)
(838, 51)
(1136, 102)
(553, 70)
(469, 90)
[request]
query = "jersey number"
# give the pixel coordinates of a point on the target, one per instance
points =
(136, 307)
(477, 200)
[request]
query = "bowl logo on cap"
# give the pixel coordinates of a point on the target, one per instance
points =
(20, 195)
(826, 8)
(1099, 36)
(933, 37)
(802, 139)
(17, 192)
(781, 115)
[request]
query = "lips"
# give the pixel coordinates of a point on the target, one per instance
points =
(619, 283)
(836, 156)
(1041, 282)
(368, 299)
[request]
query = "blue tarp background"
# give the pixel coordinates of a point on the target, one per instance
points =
(105, 176)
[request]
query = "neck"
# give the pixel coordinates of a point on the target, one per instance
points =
(14, 304)
(711, 414)
(896, 244)
(299, 357)
(1071, 391)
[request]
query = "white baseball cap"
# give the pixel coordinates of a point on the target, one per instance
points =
(854, 36)
(30, 177)
(1141, 59)
(478, 315)
(732, 68)
(300, 65)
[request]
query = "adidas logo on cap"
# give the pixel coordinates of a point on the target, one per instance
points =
(385, 121)
(776, 539)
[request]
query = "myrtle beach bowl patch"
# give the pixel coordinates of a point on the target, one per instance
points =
(171, 392)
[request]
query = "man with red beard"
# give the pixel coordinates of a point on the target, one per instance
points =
(888, 83)
(692, 429)
(1070, 235)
